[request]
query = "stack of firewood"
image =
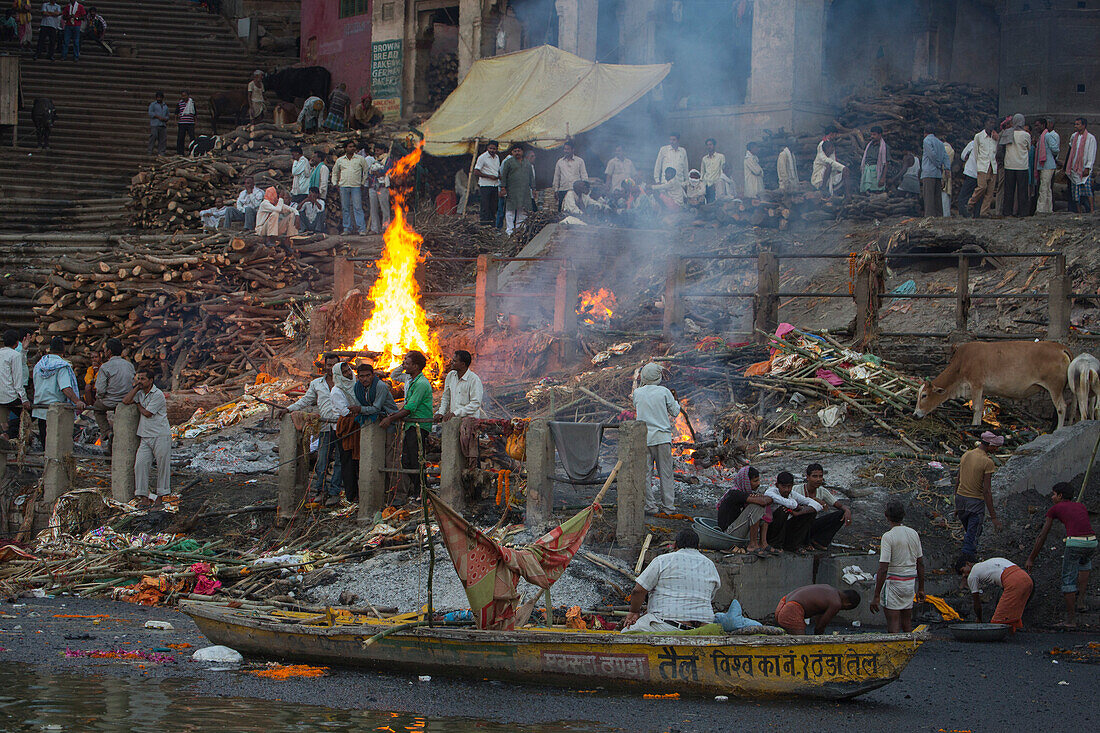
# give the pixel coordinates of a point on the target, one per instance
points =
(206, 308)
(442, 78)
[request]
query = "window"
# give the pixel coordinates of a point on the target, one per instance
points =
(1026, 7)
(1080, 88)
(1023, 91)
(387, 11)
(1081, 3)
(349, 8)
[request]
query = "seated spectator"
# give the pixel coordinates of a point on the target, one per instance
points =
(669, 193)
(578, 204)
(818, 603)
(95, 28)
(310, 116)
(827, 523)
(9, 27)
(695, 190)
(741, 511)
(365, 114)
(248, 202)
(275, 218)
(214, 217)
(311, 212)
(792, 515)
(680, 586)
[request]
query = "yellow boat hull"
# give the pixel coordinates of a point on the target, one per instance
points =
(833, 667)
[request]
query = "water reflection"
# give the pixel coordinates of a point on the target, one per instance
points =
(32, 700)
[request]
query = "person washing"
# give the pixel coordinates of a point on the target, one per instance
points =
(656, 406)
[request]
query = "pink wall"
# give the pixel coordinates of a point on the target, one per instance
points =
(341, 45)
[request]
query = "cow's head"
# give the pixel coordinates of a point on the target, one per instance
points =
(929, 398)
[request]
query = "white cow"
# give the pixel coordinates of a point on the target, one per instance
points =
(1084, 379)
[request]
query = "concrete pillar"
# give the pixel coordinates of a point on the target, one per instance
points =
(372, 482)
(124, 447)
(638, 34)
(1058, 301)
(451, 463)
(766, 303)
(565, 300)
(540, 467)
(631, 483)
(470, 22)
(577, 20)
(343, 277)
(57, 479)
(485, 303)
(788, 48)
(292, 472)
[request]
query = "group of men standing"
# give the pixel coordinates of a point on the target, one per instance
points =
(61, 28)
(112, 380)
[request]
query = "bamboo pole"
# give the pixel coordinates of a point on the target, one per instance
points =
(470, 177)
(427, 522)
(861, 452)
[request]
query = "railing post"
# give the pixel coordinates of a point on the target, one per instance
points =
(59, 453)
(674, 306)
(565, 300)
(485, 303)
(631, 483)
(451, 463)
(124, 447)
(765, 305)
(343, 276)
(1058, 301)
(540, 468)
(962, 295)
(372, 481)
(292, 486)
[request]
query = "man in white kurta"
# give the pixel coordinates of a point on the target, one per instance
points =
(754, 173)
(787, 171)
(275, 217)
(154, 436)
(620, 168)
(672, 155)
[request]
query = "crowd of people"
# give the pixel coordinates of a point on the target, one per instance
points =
(804, 519)
(61, 28)
(26, 396)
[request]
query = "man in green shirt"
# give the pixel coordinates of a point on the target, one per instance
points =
(417, 414)
(517, 186)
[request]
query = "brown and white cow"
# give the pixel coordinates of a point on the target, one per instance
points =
(1005, 368)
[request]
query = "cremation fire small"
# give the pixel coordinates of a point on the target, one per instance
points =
(597, 306)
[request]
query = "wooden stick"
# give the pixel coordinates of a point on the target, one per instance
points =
(641, 555)
(607, 484)
(601, 400)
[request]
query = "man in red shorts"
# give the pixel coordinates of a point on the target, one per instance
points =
(816, 602)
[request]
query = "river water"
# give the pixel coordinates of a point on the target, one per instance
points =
(33, 700)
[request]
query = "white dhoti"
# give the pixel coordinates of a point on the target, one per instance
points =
(651, 623)
(898, 593)
(152, 450)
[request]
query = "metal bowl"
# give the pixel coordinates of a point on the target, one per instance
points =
(979, 632)
(712, 538)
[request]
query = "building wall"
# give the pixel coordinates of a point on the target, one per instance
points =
(341, 45)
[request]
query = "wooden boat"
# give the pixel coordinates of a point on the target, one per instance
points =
(833, 667)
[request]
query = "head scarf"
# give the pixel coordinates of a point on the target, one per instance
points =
(992, 438)
(271, 196)
(741, 481)
(346, 384)
(650, 374)
(318, 105)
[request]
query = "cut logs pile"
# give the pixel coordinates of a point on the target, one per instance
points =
(170, 195)
(442, 78)
(204, 307)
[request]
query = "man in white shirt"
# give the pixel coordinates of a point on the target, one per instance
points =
(787, 170)
(324, 395)
(1015, 581)
(1079, 163)
(248, 203)
(671, 156)
(754, 173)
(900, 577)
(13, 379)
(463, 395)
(680, 587)
(155, 439)
(985, 167)
(462, 390)
(299, 175)
(487, 172)
(568, 170)
(792, 515)
(311, 213)
(711, 168)
(970, 179)
(828, 175)
(620, 168)
(834, 514)
(348, 175)
(49, 30)
(1017, 145)
(656, 406)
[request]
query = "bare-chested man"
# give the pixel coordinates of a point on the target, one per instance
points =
(817, 602)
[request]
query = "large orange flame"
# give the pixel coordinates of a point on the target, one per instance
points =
(597, 306)
(397, 322)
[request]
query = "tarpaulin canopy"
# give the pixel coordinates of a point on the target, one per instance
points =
(539, 96)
